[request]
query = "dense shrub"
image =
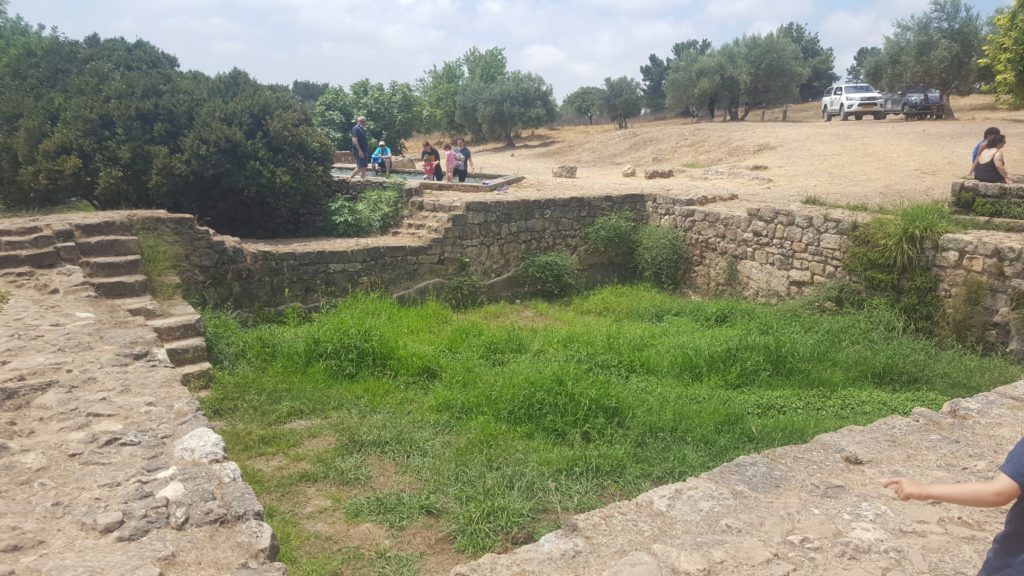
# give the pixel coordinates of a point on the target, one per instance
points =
(551, 275)
(117, 124)
(613, 234)
(662, 257)
(375, 210)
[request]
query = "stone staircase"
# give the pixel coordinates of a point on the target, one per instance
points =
(111, 261)
(426, 218)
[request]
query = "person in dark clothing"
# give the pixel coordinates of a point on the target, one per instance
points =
(431, 162)
(990, 167)
(360, 150)
(465, 161)
(711, 107)
(1006, 557)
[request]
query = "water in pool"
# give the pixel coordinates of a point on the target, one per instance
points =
(336, 172)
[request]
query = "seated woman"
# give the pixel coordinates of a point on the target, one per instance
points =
(989, 167)
(381, 159)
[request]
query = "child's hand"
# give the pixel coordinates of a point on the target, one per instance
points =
(905, 488)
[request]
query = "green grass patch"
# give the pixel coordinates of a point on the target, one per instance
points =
(163, 261)
(376, 210)
(5, 298)
(495, 423)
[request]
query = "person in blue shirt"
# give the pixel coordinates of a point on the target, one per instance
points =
(1006, 557)
(381, 159)
(989, 132)
(360, 150)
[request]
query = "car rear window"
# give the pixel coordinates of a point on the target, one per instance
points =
(859, 89)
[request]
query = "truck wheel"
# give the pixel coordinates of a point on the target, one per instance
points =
(842, 114)
(858, 116)
(879, 116)
(825, 115)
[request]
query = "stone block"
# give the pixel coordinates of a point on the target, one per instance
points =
(653, 173)
(629, 172)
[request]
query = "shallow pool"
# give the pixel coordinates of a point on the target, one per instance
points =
(408, 175)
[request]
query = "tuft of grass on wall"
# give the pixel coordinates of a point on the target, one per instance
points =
(163, 261)
(376, 210)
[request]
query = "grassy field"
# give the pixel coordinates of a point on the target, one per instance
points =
(400, 440)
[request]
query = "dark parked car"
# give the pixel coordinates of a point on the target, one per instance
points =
(915, 103)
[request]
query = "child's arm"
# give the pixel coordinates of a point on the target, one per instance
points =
(998, 491)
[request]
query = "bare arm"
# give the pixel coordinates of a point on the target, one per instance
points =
(1001, 166)
(998, 491)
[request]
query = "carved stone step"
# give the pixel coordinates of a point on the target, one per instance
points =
(197, 376)
(111, 266)
(103, 228)
(120, 286)
(20, 230)
(106, 246)
(20, 243)
(177, 327)
(30, 258)
(185, 352)
(145, 307)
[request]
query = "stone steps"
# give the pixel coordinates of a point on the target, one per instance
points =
(30, 258)
(197, 376)
(112, 266)
(21, 243)
(186, 351)
(102, 229)
(143, 306)
(108, 246)
(173, 328)
(7, 231)
(121, 286)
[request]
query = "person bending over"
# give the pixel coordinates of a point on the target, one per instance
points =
(1006, 556)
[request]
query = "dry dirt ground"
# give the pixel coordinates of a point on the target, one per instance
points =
(769, 162)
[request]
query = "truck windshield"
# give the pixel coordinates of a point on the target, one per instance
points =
(859, 89)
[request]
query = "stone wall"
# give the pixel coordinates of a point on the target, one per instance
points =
(764, 252)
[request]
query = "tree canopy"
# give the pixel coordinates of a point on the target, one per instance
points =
(584, 102)
(855, 72)
(622, 100)
(939, 48)
(1004, 55)
(393, 112)
(818, 60)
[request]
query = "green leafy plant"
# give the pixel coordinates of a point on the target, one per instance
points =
(5, 298)
(662, 257)
(376, 210)
(613, 234)
(465, 289)
(963, 319)
(551, 275)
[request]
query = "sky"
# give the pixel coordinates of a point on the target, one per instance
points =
(571, 43)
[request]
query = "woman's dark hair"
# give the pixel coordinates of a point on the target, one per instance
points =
(427, 144)
(995, 141)
(990, 132)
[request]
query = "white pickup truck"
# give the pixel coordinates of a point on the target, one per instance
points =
(857, 100)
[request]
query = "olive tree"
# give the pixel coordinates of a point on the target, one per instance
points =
(622, 100)
(584, 102)
(939, 48)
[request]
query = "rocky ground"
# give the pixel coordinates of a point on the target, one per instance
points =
(812, 510)
(106, 465)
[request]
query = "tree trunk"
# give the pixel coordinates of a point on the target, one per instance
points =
(947, 109)
(508, 139)
(590, 117)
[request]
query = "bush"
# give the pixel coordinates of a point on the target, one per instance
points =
(551, 275)
(376, 210)
(887, 255)
(613, 234)
(963, 319)
(662, 257)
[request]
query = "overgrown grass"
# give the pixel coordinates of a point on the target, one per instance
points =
(163, 261)
(67, 208)
(5, 298)
(485, 427)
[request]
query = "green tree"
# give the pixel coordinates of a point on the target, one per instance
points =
(309, 92)
(653, 82)
(622, 100)
(485, 66)
(584, 102)
(701, 47)
(439, 92)
(818, 60)
(937, 49)
(334, 116)
(393, 113)
(517, 101)
(1004, 55)
(855, 73)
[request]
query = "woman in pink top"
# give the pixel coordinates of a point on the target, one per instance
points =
(451, 160)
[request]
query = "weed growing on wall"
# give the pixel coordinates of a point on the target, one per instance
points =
(163, 261)
(613, 234)
(376, 210)
(551, 275)
(464, 289)
(662, 257)
(963, 319)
